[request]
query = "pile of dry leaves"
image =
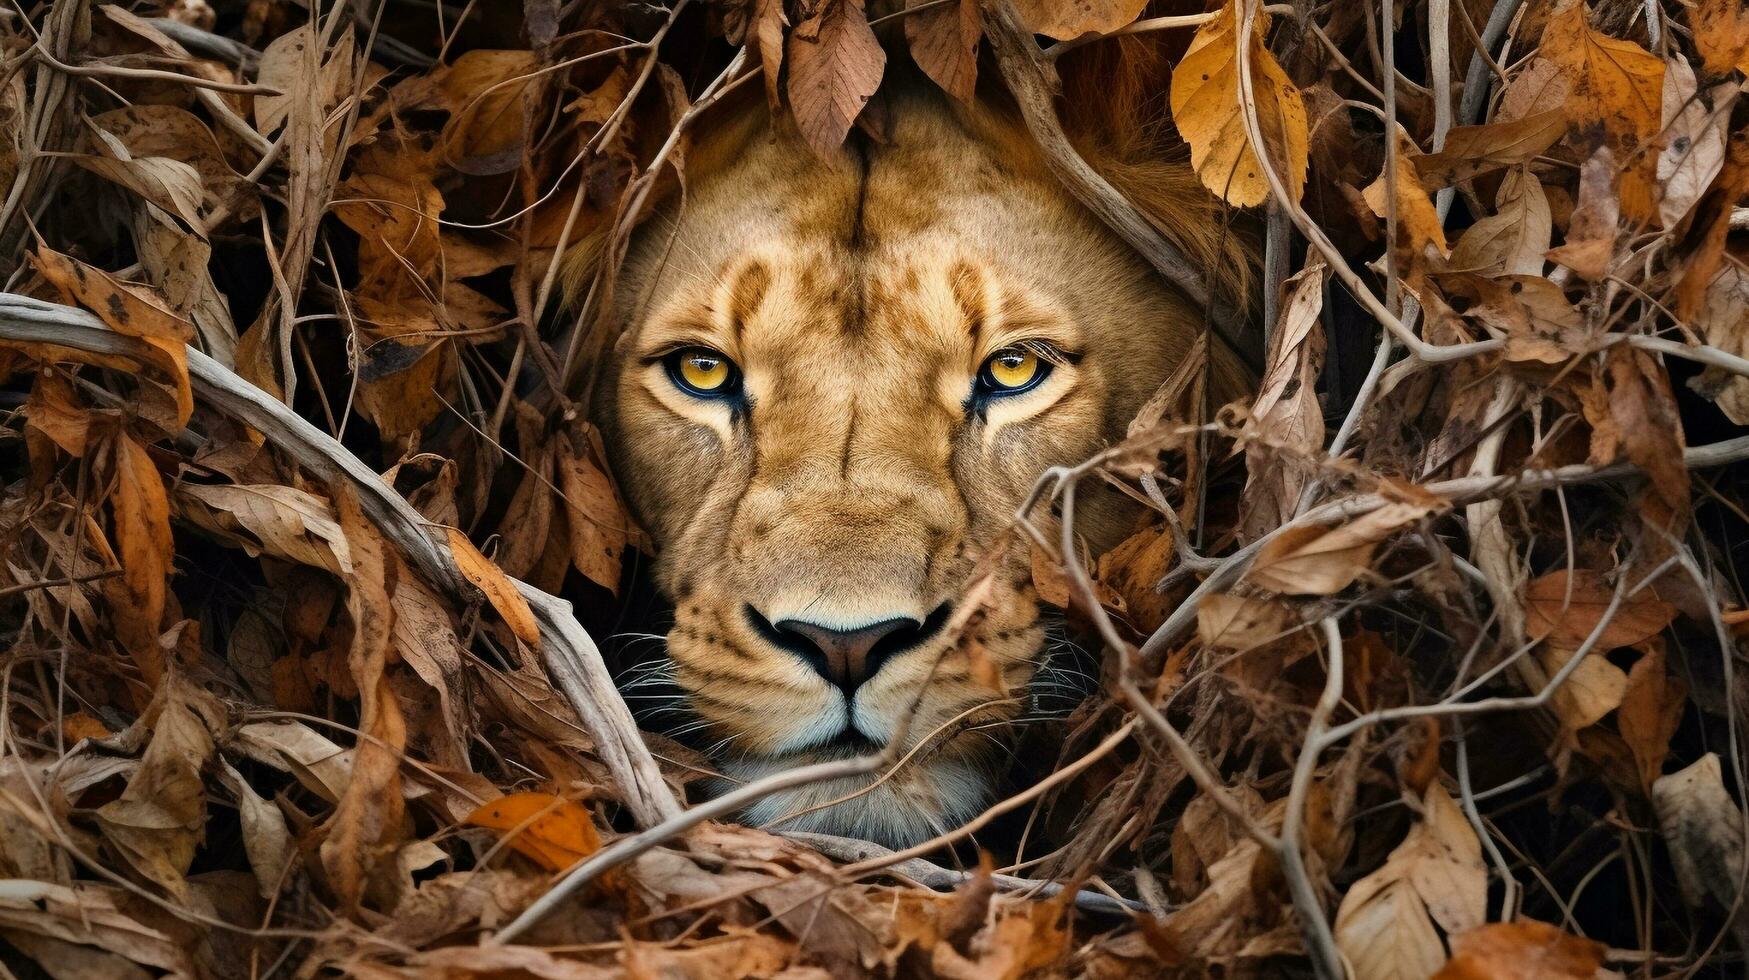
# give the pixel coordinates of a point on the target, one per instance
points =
(1427, 665)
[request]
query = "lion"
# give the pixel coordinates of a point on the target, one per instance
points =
(834, 381)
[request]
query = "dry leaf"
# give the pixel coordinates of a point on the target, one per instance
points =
(1721, 34)
(499, 590)
(1703, 829)
(944, 43)
(1514, 238)
(601, 528)
(268, 519)
(1564, 607)
(1285, 428)
(1472, 150)
(552, 831)
(1615, 83)
(1723, 321)
(490, 95)
(835, 65)
(130, 310)
(1206, 110)
(161, 817)
(1065, 19)
(1590, 244)
(143, 540)
(1418, 224)
(1384, 925)
(1651, 709)
(1593, 689)
(1522, 950)
(1231, 622)
(1313, 560)
(1694, 141)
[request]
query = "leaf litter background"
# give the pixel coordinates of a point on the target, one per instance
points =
(295, 469)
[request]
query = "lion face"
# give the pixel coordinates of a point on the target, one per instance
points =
(835, 384)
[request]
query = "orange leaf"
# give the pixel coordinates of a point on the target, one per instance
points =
(144, 543)
(131, 310)
(1721, 34)
(1616, 83)
(500, 590)
(552, 831)
(1522, 950)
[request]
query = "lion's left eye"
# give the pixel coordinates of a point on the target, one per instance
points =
(1011, 371)
(702, 372)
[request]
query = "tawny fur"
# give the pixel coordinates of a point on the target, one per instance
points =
(859, 296)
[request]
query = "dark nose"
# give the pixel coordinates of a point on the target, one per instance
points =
(847, 658)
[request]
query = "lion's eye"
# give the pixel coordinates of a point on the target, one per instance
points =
(1012, 370)
(702, 372)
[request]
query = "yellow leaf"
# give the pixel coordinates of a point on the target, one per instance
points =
(1418, 223)
(500, 591)
(1206, 109)
(1616, 83)
(552, 831)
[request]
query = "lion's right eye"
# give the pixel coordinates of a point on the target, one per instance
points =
(702, 372)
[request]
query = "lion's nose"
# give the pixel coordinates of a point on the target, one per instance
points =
(848, 657)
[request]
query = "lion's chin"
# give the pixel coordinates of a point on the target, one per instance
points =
(921, 801)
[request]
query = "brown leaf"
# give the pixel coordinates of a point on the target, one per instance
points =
(1313, 560)
(1593, 688)
(1522, 950)
(366, 827)
(499, 590)
(1694, 141)
(1590, 244)
(1615, 83)
(944, 43)
(835, 65)
(1564, 607)
(768, 25)
(1232, 622)
(1721, 34)
(1206, 110)
(1723, 321)
(1645, 411)
(1065, 19)
(161, 817)
(284, 522)
(491, 94)
(1472, 150)
(1651, 708)
(1515, 237)
(266, 839)
(130, 310)
(601, 527)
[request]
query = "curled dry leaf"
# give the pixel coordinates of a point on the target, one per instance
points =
(1512, 240)
(1206, 109)
(835, 65)
(1590, 245)
(550, 830)
(1522, 950)
(1723, 321)
(1651, 709)
(1285, 428)
(1314, 560)
(499, 590)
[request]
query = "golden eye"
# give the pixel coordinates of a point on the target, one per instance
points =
(1012, 371)
(703, 372)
